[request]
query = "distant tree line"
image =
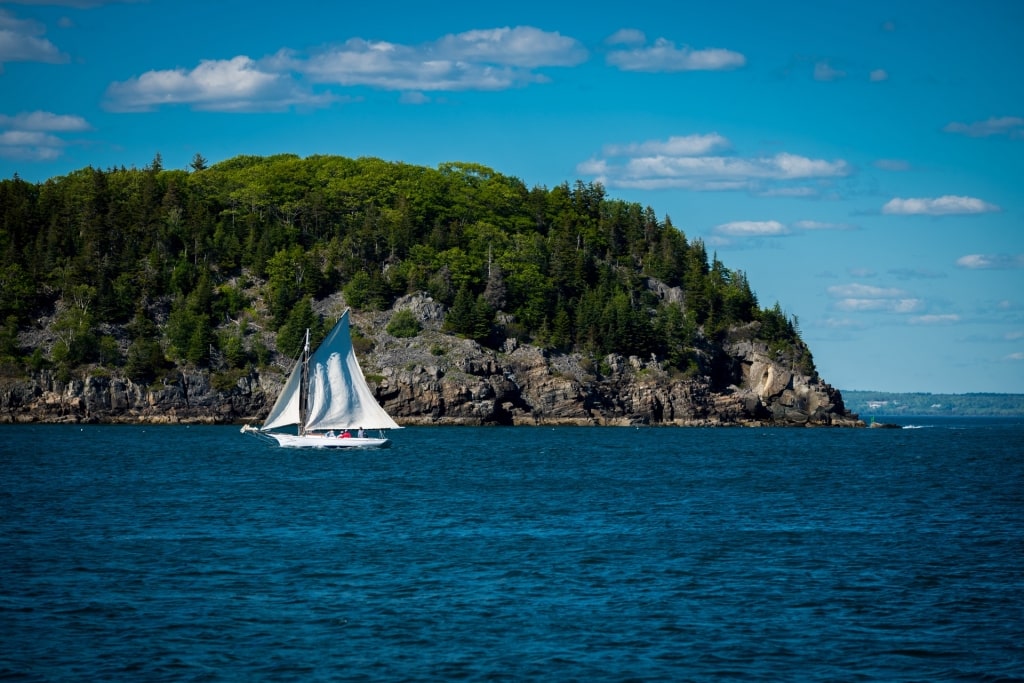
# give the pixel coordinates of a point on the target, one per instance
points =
(885, 404)
(151, 268)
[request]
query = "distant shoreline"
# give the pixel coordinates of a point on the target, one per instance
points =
(869, 404)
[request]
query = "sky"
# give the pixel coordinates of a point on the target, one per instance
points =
(862, 162)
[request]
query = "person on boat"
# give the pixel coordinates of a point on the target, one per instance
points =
(330, 434)
(346, 435)
(360, 432)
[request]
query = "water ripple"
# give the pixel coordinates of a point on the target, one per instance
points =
(511, 554)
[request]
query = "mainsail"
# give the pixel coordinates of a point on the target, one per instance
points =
(337, 395)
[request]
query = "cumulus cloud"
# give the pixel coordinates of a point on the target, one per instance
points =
(33, 136)
(938, 206)
(991, 261)
(1012, 126)
(688, 162)
(858, 297)
(492, 59)
(664, 56)
(238, 84)
(21, 41)
(751, 229)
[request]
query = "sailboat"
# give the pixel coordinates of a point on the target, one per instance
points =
(327, 396)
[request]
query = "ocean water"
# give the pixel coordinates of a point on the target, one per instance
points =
(600, 554)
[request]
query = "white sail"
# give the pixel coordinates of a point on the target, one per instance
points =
(286, 409)
(338, 396)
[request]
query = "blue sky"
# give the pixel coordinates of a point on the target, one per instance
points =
(863, 162)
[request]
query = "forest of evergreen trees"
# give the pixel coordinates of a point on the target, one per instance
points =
(145, 269)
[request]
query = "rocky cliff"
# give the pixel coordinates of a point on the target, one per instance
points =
(437, 379)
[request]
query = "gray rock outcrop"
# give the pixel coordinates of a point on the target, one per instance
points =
(436, 378)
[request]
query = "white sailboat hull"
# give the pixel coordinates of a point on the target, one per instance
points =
(323, 441)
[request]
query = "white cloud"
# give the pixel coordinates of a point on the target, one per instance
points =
(991, 261)
(858, 290)
(879, 305)
(21, 41)
(594, 167)
(664, 56)
(29, 136)
(522, 46)
(938, 206)
(493, 59)
(679, 145)
(1018, 356)
(1005, 125)
(683, 162)
(238, 84)
(752, 229)
(44, 120)
(626, 36)
(490, 59)
(30, 145)
(822, 225)
(860, 298)
(941, 319)
(795, 166)
(878, 75)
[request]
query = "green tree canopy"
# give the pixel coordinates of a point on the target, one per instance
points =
(567, 267)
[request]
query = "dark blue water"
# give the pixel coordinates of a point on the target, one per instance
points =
(173, 553)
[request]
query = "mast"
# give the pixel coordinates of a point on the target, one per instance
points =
(304, 386)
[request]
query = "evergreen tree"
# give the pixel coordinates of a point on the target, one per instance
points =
(291, 336)
(459, 318)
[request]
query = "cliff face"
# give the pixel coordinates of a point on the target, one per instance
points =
(439, 379)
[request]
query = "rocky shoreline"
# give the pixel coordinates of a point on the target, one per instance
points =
(438, 379)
